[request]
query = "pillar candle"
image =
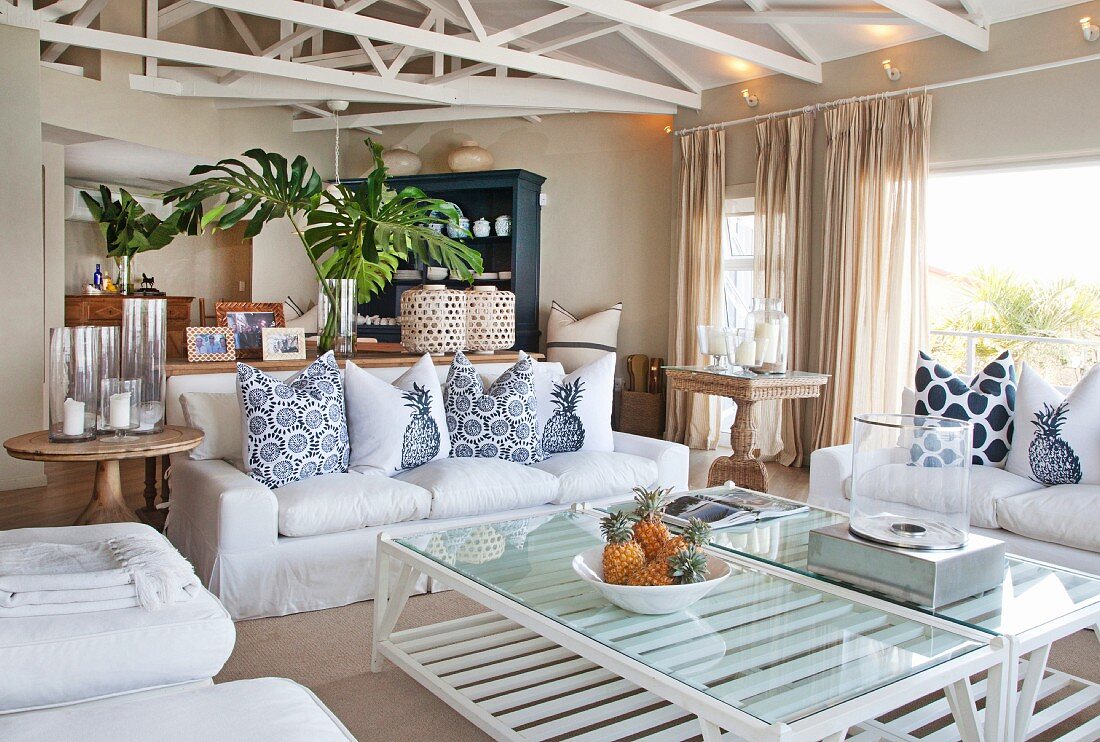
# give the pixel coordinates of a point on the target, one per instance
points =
(746, 353)
(716, 341)
(74, 417)
(120, 410)
(769, 334)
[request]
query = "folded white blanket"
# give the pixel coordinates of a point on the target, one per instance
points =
(127, 571)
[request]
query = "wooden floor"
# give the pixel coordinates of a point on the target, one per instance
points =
(67, 492)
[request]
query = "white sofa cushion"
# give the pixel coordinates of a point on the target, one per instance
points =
(218, 416)
(474, 486)
(244, 711)
(575, 409)
(590, 475)
(1068, 514)
(51, 660)
(332, 503)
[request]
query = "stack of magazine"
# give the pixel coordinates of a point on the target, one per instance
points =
(721, 507)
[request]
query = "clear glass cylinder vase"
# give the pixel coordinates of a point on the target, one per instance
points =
(336, 316)
(74, 383)
(770, 330)
(125, 265)
(911, 481)
(144, 346)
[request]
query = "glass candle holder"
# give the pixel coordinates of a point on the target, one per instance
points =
(74, 383)
(744, 354)
(336, 322)
(770, 326)
(144, 346)
(911, 481)
(120, 405)
(714, 342)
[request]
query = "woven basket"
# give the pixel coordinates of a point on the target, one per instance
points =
(642, 413)
(433, 320)
(490, 319)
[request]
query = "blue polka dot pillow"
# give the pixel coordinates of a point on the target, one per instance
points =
(988, 402)
(294, 429)
(500, 423)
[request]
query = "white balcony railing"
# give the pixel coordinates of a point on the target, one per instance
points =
(1033, 342)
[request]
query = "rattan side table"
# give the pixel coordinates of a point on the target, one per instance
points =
(746, 389)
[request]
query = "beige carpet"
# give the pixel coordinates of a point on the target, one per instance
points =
(329, 651)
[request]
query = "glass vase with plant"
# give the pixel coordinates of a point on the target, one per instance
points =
(360, 231)
(129, 229)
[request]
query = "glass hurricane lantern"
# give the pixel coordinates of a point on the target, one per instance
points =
(144, 346)
(74, 383)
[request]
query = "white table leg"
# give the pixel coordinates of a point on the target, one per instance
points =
(381, 595)
(1000, 693)
(711, 731)
(960, 697)
(1025, 702)
(1096, 630)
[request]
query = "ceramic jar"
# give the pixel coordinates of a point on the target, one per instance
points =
(481, 227)
(470, 157)
(503, 225)
(460, 230)
(400, 161)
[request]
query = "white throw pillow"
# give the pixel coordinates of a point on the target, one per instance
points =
(395, 426)
(1057, 438)
(501, 423)
(574, 342)
(575, 409)
(218, 416)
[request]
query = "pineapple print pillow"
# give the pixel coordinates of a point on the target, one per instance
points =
(501, 423)
(398, 426)
(575, 409)
(1057, 437)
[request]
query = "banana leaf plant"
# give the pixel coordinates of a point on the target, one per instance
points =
(361, 231)
(128, 229)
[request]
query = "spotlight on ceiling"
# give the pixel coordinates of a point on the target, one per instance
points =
(1089, 29)
(750, 100)
(893, 74)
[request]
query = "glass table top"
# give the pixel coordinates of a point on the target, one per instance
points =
(1031, 595)
(770, 647)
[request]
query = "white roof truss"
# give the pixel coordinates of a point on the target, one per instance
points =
(944, 21)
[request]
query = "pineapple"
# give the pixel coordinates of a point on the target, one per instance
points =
(421, 442)
(564, 431)
(649, 531)
(1053, 461)
(682, 568)
(622, 556)
(697, 534)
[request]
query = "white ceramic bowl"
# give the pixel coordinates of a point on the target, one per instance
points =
(436, 273)
(650, 600)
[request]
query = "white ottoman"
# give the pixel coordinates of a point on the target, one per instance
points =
(262, 710)
(52, 660)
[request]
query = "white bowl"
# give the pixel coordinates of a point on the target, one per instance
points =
(436, 273)
(650, 600)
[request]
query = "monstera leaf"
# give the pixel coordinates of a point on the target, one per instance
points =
(125, 225)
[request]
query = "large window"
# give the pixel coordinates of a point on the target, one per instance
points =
(1015, 252)
(737, 260)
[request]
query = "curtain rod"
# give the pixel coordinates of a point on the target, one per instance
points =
(894, 93)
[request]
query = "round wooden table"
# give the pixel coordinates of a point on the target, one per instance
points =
(107, 504)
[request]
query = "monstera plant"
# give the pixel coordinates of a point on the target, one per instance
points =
(360, 231)
(128, 229)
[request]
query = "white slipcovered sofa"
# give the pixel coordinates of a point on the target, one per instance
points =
(311, 545)
(1059, 524)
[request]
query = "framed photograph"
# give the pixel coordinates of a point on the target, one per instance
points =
(247, 320)
(284, 343)
(210, 344)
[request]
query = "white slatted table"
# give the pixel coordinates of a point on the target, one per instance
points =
(764, 657)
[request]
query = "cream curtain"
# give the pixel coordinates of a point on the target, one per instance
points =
(693, 419)
(784, 160)
(873, 313)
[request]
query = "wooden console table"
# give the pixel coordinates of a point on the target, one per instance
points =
(105, 310)
(746, 389)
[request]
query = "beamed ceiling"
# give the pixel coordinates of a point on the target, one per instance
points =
(414, 61)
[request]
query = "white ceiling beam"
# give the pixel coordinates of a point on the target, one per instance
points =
(418, 116)
(397, 33)
(534, 25)
(789, 33)
(280, 47)
(665, 62)
(124, 44)
(943, 21)
(315, 111)
(407, 52)
(243, 31)
(180, 11)
(663, 24)
(977, 11)
(533, 119)
(60, 9)
(70, 69)
(202, 82)
(472, 19)
(806, 16)
(152, 30)
(83, 18)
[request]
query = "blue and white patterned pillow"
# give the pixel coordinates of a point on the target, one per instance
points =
(294, 429)
(499, 424)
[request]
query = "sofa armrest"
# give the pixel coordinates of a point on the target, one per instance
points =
(230, 510)
(671, 458)
(830, 468)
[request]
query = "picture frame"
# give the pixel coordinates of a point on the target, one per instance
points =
(207, 344)
(247, 320)
(284, 343)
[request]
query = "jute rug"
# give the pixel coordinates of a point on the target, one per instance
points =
(329, 652)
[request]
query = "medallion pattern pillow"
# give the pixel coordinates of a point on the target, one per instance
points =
(294, 429)
(499, 424)
(988, 402)
(398, 426)
(1057, 434)
(575, 409)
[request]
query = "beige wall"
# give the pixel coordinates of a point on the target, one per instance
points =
(22, 325)
(605, 230)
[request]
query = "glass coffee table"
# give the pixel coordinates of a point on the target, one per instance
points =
(1036, 605)
(771, 654)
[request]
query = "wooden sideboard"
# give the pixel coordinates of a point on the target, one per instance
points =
(105, 310)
